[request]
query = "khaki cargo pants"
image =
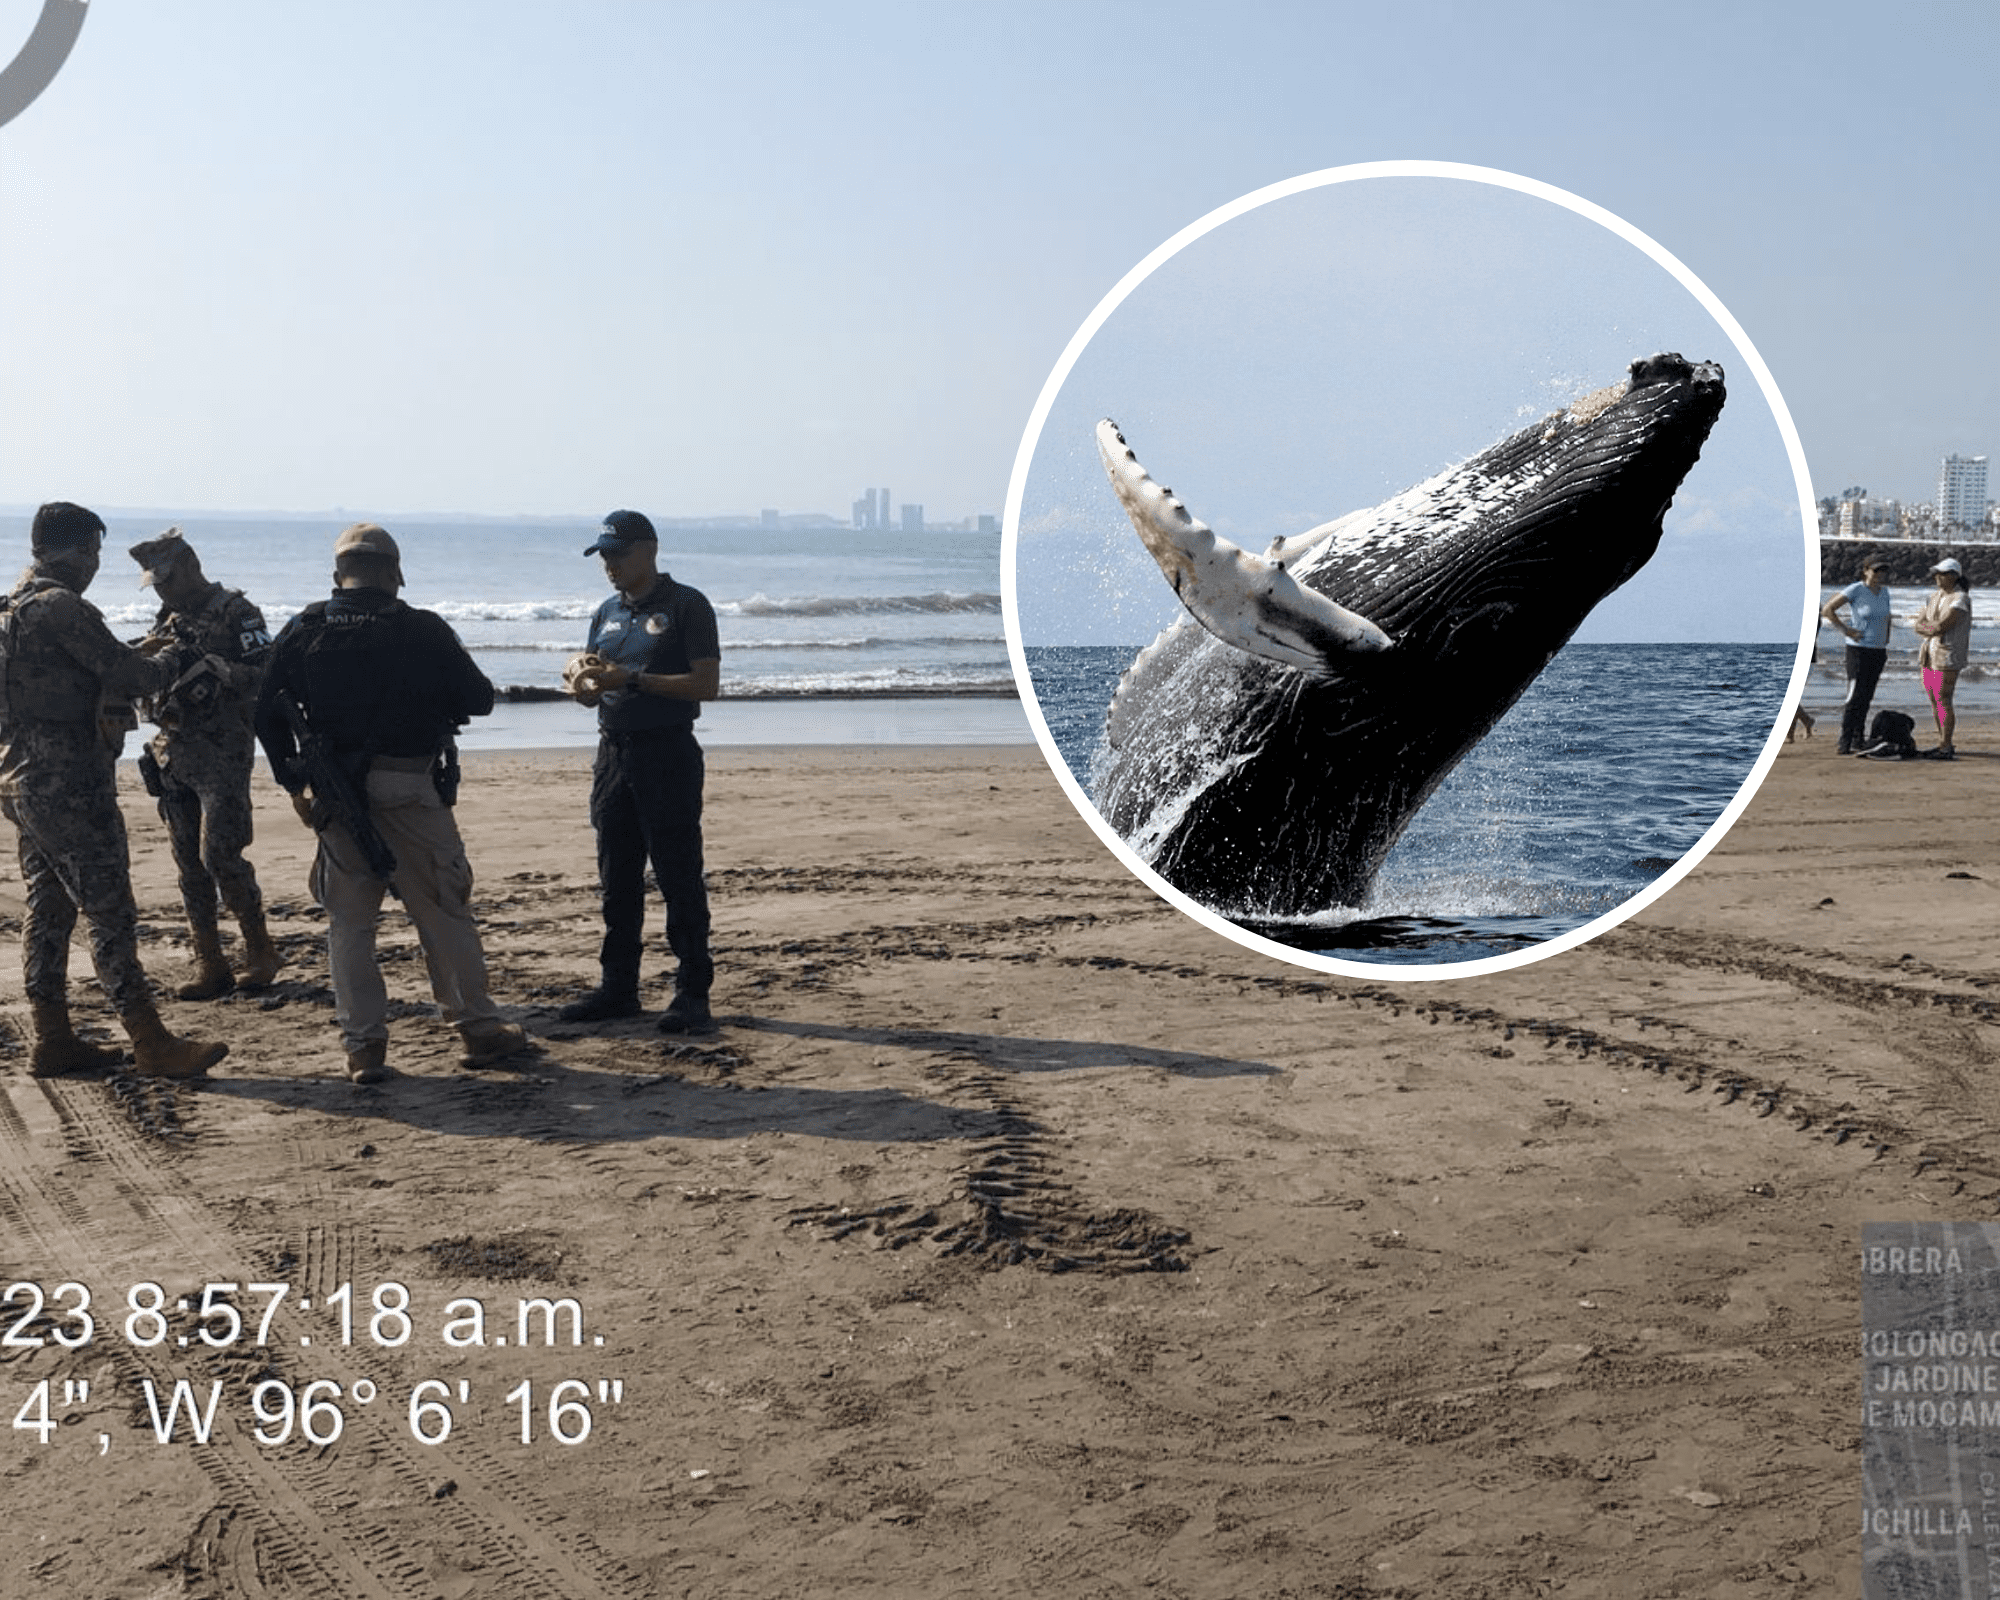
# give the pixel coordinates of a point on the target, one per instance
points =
(434, 881)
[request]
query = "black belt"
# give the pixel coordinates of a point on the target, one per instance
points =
(633, 735)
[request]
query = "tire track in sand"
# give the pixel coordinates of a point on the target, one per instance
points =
(294, 1519)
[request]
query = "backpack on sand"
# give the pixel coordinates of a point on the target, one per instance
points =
(1897, 729)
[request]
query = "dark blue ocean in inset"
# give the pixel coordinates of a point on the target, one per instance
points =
(1612, 765)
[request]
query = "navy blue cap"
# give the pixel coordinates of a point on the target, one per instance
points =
(621, 531)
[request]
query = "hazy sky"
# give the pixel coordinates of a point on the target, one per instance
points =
(1335, 345)
(493, 256)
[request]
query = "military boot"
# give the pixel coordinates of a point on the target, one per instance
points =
(58, 1052)
(210, 976)
(261, 959)
(607, 1001)
(487, 1043)
(160, 1054)
(686, 1013)
(370, 1064)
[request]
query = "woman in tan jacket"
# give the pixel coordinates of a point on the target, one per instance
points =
(1945, 626)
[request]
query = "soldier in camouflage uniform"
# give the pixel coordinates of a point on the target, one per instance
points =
(59, 667)
(198, 765)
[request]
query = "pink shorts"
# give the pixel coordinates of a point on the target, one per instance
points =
(1933, 687)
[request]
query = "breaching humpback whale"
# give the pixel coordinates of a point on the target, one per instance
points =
(1267, 750)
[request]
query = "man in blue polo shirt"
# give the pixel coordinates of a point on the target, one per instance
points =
(657, 659)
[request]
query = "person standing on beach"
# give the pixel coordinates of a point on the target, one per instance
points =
(1945, 626)
(198, 765)
(381, 688)
(653, 657)
(65, 690)
(1867, 645)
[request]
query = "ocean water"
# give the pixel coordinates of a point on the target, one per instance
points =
(1901, 688)
(829, 635)
(1610, 767)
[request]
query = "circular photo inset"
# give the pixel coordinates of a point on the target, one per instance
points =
(1481, 595)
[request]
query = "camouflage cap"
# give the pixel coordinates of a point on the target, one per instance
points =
(157, 556)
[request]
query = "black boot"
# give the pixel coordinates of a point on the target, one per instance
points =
(602, 1004)
(687, 1014)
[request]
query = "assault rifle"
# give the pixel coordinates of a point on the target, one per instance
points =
(336, 795)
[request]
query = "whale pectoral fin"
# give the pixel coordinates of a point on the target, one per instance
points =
(1246, 601)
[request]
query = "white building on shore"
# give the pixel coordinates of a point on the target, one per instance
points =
(1961, 494)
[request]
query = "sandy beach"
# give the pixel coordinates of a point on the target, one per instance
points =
(1015, 1236)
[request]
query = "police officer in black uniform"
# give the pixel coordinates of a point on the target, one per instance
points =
(382, 687)
(656, 658)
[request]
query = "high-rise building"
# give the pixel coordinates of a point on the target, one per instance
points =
(872, 509)
(913, 519)
(1961, 493)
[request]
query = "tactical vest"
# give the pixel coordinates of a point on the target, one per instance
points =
(366, 684)
(39, 695)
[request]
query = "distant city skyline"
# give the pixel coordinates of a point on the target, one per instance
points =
(1959, 508)
(763, 517)
(873, 511)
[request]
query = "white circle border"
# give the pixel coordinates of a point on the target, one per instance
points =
(1010, 546)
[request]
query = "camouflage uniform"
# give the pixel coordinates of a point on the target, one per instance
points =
(59, 664)
(203, 754)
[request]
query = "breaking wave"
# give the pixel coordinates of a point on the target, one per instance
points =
(856, 605)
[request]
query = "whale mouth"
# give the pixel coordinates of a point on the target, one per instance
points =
(1668, 406)
(1672, 367)
(1671, 379)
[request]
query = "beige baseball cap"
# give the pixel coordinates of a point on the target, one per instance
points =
(371, 539)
